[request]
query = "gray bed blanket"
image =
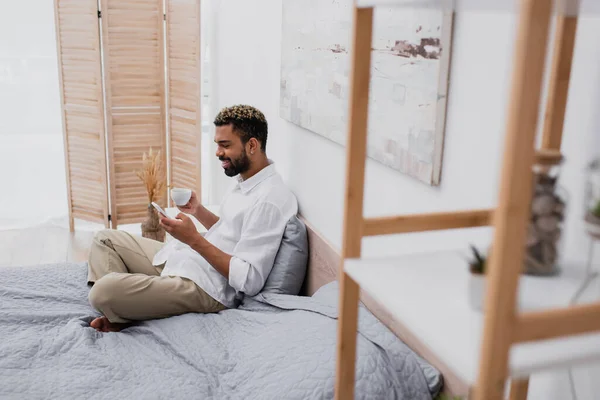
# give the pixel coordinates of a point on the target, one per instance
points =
(272, 347)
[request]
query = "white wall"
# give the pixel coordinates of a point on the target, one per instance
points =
(248, 39)
(247, 60)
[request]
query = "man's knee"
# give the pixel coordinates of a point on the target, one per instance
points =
(111, 235)
(106, 291)
(103, 234)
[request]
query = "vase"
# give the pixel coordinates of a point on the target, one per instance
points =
(592, 199)
(151, 228)
(544, 231)
(592, 225)
(477, 293)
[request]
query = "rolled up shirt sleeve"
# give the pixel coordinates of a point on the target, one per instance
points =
(254, 254)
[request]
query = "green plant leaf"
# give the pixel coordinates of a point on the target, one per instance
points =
(477, 265)
(596, 210)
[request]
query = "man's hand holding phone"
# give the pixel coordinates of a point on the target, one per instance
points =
(160, 210)
(181, 228)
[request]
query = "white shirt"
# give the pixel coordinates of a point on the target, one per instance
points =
(252, 219)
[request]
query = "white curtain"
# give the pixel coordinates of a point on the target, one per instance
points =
(32, 171)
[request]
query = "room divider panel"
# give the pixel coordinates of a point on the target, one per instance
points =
(183, 65)
(80, 79)
(129, 80)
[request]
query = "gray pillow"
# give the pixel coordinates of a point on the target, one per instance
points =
(291, 260)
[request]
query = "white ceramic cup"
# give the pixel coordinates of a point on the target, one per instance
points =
(181, 196)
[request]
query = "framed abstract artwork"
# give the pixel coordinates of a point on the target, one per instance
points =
(408, 88)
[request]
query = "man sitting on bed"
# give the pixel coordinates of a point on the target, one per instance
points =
(135, 278)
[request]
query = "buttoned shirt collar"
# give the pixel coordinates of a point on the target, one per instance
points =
(249, 184)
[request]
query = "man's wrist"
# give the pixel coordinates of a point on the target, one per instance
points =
(198, 243)
(197, 211)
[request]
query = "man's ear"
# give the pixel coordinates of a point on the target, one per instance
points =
(253, 145)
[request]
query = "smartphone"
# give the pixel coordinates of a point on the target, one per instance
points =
(160, 210)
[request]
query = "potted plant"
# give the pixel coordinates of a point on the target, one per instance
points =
(478, 264)
(153, 176)
(592, 199)
(477, 268)
(592, 220)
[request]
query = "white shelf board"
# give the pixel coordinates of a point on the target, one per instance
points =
(429, 294)
(568, 7)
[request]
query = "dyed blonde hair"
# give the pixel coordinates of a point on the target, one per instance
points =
(247, 121)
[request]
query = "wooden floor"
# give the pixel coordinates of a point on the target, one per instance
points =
(43, 245)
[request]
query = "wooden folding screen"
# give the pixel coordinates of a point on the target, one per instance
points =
(126, 70)
(80, 79)
(183, 61)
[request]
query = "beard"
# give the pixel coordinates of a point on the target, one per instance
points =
(237, 166)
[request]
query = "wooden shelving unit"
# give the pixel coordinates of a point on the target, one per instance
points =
(517, 335)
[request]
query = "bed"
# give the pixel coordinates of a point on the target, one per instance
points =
(273, 347)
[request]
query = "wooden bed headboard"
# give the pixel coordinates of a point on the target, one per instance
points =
(323, 267)
(323, 262)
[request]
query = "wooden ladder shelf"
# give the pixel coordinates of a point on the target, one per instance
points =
(503, 325)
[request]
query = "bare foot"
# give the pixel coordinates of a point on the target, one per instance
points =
(102, 324)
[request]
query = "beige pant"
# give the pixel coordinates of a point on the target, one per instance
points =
(127, 287)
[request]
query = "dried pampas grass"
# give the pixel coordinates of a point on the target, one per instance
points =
(153, 175)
